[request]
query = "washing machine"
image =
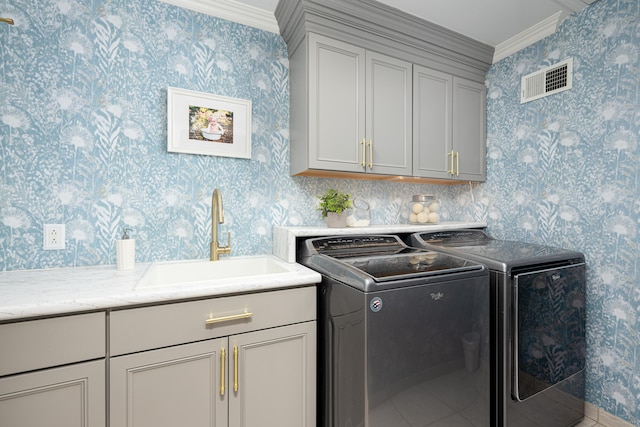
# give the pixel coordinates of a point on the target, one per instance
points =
(403, 334)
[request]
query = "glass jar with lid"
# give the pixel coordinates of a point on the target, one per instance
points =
(424, 209)
(359, 214)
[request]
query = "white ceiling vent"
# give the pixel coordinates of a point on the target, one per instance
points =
(550, 80)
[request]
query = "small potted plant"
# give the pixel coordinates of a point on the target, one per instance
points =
(333, 205)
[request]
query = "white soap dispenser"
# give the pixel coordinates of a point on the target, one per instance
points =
(126, 251)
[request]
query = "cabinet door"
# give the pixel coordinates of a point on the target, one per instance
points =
(276, 377)
(432, 111)
(469, 128)
(70, 396)
(174, 386)
(388, 115)
(336, 104)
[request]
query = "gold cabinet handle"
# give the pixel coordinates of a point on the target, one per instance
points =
(211, 320)
(235, 368)
(363, 144)
(223, 359)
(450, 155)
(370, 154)
(457, 163)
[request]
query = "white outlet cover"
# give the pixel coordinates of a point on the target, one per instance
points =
(53, 237)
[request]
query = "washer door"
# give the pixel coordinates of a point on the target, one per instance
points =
(549, 334)
(428, 354)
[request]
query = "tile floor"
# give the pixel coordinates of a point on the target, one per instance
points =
(596, 417)
(457, 400)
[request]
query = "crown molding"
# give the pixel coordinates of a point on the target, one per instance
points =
(252, 16)
(231, 10)
(574, 5)
(528, 37)
(378, 27)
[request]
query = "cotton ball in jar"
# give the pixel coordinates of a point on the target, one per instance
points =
(417, 208)
(434, 207)
(423, 217)
(434, 217)
(413, 217)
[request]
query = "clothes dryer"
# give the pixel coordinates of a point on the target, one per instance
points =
(538, 333)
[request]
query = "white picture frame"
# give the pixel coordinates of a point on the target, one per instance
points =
(202, 123)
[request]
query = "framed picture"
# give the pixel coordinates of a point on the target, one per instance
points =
(201, 123)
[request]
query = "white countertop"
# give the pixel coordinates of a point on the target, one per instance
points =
(33, 293)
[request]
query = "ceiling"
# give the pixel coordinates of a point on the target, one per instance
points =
(507, 25)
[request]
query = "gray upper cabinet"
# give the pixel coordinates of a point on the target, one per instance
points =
(380, 94)
(449, 126)
(389, 119)
(469, 130)
(432, 115)
(328, 114)
(353, 113)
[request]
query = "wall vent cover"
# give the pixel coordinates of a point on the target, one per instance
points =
(550, 80)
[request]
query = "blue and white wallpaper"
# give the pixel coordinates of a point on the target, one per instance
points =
(83, 143)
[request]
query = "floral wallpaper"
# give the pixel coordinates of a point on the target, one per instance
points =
(563, 170)
(83, 140)
(83, 87)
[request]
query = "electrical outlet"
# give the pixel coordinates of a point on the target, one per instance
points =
(53, 237)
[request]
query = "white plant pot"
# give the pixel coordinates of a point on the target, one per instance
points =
(335, 220)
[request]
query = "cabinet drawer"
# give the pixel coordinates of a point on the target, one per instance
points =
(171, 324)
(36, 344)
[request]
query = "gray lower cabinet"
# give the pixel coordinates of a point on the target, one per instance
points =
(244, 360)
(168, 387)
(52, 372)
(275, 370)
(235, 361)
(350, 109)
(69, 396)
(449, 126)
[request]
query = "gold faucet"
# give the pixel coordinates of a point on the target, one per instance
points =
(217, 217)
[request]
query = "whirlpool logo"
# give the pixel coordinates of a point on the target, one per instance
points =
(437, 296)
